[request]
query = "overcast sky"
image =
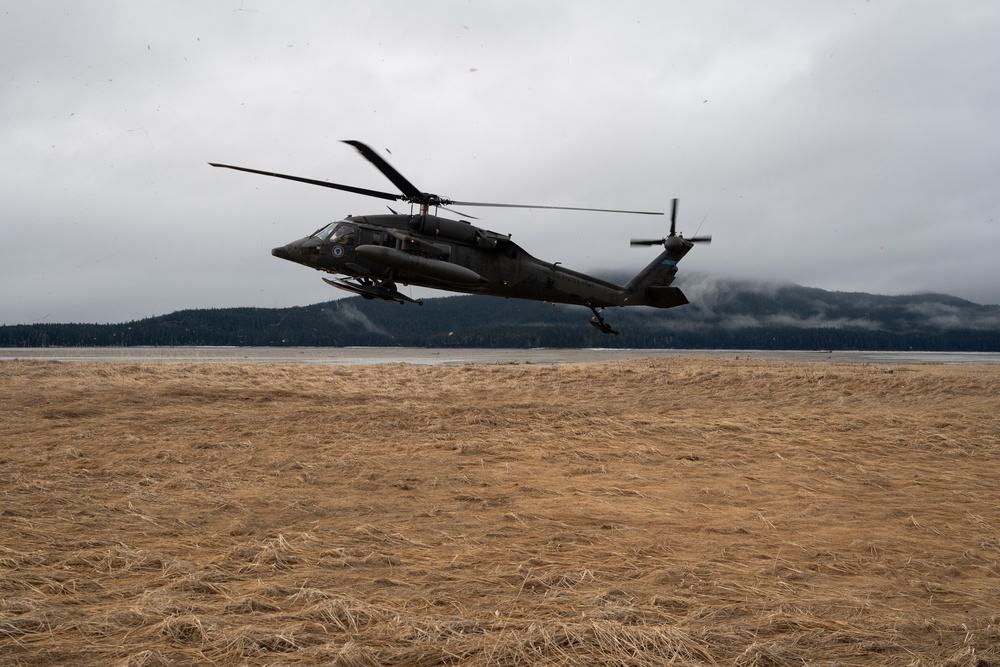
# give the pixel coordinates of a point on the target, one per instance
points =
(846, 145)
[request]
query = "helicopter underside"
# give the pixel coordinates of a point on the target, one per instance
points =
(379, 269)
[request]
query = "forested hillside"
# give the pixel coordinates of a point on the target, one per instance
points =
(722, 314)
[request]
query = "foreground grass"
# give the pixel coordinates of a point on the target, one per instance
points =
(683, 511)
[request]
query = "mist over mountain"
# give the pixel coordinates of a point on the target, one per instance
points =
(730, 304)
(723, 314)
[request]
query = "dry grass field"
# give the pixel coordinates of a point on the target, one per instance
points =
(677, 511)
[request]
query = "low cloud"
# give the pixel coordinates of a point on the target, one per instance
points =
(821, 322)
(955, 316)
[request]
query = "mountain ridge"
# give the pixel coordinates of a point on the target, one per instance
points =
(723, 314)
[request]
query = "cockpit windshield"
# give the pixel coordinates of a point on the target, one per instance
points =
(324, 232)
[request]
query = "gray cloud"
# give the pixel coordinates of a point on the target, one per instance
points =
(849, 146)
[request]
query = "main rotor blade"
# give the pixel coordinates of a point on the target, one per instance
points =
(647, 241)
(464, 215)
(558, 208)
(412, 194)
(673, 217)
(407, 188)
(311, 181)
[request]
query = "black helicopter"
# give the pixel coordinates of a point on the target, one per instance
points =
(369, 254)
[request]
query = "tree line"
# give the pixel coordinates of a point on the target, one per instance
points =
(737, 317)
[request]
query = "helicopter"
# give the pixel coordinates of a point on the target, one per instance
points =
(369, 254)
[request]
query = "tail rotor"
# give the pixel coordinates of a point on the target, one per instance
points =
(673, 233)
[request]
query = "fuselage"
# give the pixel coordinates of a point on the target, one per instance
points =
(453, 255)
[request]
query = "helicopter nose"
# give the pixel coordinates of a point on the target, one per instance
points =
(303, 251)
(293, 252)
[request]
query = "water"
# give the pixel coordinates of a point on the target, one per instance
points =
(383, 355)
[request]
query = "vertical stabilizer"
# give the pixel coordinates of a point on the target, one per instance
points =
(652, 285)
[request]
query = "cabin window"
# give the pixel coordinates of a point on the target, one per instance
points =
(370, 237)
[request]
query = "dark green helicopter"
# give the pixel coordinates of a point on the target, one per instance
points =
(369, 254)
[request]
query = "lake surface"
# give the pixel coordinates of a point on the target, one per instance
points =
(409, 355)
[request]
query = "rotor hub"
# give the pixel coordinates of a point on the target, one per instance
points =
(675, 243)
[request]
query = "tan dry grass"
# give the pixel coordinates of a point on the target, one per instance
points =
(679, 511)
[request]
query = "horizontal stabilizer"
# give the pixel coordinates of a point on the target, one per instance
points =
(665, 297)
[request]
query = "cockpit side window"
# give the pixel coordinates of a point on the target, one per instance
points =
(343, 234)
(336, 232)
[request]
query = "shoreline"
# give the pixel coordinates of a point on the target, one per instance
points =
(435, 356)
